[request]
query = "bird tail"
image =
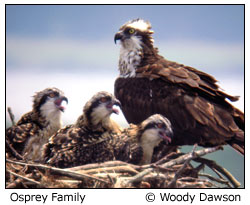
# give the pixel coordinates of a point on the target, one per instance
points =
(239, 118)
(238, 142)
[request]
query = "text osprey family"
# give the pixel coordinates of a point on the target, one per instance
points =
(53, 197)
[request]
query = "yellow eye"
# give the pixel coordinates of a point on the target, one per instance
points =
(52, 95)
(131, 31)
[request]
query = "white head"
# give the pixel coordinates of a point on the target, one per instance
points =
(138, 24)
(50, 103)
(133, 35)
(98, 109)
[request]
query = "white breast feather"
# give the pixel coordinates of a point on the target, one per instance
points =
(130, 57)
(52, 114)
(100, 115)
(149, 140)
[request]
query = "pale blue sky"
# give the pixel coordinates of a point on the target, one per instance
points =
(73, 35)
(221, 23)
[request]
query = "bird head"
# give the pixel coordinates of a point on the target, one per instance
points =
(152, 131)
(49, 101)
(100, 107)
(134, 33)
(157, 128)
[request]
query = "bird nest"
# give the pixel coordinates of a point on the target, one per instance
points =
(173, 171)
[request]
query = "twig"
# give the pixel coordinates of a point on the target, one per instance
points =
(25, 178)
(222, 181)
(190, 182)
(171, 163)
(222, 170)
(12, 117)
(13, 151)
(103, 165)
(168, 157)
(162, 169)
(117, 169)
(172, 183)
(59, 171)
(14, 184)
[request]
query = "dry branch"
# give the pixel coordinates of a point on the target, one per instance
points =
(174, 171)
(59, 171)
(25, 178)
(172, 183)
(12, 117)
(171, 163)
(219, 169)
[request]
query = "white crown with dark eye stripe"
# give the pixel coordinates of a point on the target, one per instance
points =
(138, 24)
(153, 130)
(75, 144)
(97, 111)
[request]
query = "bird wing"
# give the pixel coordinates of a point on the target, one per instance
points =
(19, 134)
(74, 146)
(189, 98)
(184, 76)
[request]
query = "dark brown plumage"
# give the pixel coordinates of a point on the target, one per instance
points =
(79, 143)
(35, 127)
(189, 98)
(78, 146)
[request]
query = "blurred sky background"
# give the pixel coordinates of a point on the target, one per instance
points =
(71, 47)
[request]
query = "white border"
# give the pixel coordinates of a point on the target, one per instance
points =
(120, 196)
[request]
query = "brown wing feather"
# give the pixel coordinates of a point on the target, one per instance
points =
(191, 99)
(74, 146)
(20, 133)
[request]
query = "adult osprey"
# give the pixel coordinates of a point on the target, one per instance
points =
(34, 128)
(189, 98)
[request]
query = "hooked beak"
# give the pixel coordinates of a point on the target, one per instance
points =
(111, 104)
(116, 102)
(166, 135)
(118, 36)
(59, 103)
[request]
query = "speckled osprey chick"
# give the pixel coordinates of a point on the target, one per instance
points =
(34, 128)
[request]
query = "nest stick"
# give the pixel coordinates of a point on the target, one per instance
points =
(210, 177)
(171, 163)
(220, 169)
(25, 178)
(12, 116)
(172, 183)
(55, 170)
(102, 165)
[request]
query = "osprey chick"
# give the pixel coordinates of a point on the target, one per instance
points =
(190, 99)
(34, 128)
(76, 144)
(134, 145)
(143, 138)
